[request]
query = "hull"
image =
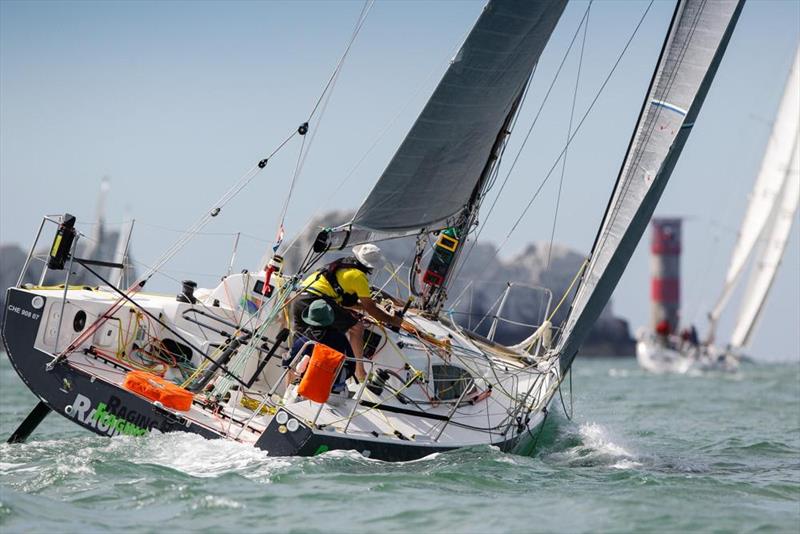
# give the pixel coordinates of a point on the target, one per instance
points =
(656, 357)
(85, 399)
(87, 389)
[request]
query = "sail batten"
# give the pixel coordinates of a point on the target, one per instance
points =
(440, 163)
(692, 51)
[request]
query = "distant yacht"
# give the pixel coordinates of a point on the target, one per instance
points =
(762, 241)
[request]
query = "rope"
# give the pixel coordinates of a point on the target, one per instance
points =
(172, 251)
(401, 112)
(327, 91)
(569, 289)
(332, 80)
(564, 296)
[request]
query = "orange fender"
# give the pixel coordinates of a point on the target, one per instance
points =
(158, 389)
(318, 379)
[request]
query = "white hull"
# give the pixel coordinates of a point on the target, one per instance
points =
(656, 357)
(507, 403)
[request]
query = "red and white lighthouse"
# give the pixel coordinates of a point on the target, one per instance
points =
(665, 286)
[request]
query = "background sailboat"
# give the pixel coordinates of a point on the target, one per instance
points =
(762, 240)
(679, 87)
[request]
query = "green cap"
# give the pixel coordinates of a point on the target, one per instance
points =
(318, 313)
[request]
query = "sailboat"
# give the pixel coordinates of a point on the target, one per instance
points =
(762, 240)
(122, 361)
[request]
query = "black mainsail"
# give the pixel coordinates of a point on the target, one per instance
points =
(441, 162)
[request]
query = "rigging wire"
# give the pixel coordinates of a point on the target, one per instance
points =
(177, 230)
(324, 201)
(528, 134)
(577, 128)
(623, 182)
(649, 131)
(332, 80)
(170, 253)
(322, 100)
(569, 131)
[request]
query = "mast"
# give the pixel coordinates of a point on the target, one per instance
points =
(433, 300)
(435, 178)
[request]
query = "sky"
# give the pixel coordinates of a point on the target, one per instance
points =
(175, 101)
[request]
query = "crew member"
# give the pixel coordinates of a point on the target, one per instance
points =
(694, 339)
(318, 318)
(663, 330)
(344, 284)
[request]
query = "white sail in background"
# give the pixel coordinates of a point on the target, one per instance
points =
(767, 188)
(776, 236)
(696, 42)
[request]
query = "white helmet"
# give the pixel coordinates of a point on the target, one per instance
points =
(369, 255)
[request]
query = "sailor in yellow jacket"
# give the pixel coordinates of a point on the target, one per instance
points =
(344, 283)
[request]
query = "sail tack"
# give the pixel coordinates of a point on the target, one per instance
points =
(693, 49)
(439, 164)
(766, 191)
(776, 236)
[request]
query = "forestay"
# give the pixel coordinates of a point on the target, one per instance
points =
(693, 49)
(765, 194)
(438, 166)
(774, 245)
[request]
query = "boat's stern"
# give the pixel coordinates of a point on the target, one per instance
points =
(22, 321)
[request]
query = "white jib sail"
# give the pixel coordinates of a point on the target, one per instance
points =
(694, 47)
(767, 188)
(776, 238)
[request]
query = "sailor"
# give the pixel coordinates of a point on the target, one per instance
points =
(318, 319)
(344, 284)
(685, 338)
(663, 330)
(694, 339)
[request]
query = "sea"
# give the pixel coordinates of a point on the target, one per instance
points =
(626, 452)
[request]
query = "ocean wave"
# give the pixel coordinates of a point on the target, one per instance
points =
(596, 447)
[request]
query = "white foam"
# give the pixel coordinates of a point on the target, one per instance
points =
(211, 501)
(197, 456)
(619, 373)
(598, 448)
(596, 437)
(626, 464)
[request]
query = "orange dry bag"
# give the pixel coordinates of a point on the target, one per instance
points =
(158, 389)
(320, 373)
